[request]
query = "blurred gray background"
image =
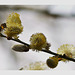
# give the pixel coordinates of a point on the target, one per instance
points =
(55, 21)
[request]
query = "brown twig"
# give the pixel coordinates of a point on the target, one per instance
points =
(17, 40)
(46, 51)
(61, 56)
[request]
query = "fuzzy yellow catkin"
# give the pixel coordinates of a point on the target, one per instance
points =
(14, 26)
(39, 65)
(13, 18)
(68, 50)
(38, 41)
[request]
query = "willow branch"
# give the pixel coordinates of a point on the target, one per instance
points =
(17, 40)
(61, 56)
(46, 51)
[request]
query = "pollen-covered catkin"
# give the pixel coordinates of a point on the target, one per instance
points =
(38, 41)
(68, 50)
(14, 26)
(13, 18)
(39, 65)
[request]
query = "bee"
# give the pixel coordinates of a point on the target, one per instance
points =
(2, 26)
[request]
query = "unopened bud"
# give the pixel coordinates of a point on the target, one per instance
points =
(20, 48)
(52, 63)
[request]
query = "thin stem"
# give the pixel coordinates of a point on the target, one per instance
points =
(61, 56)
(17, 40)
(46, 51)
